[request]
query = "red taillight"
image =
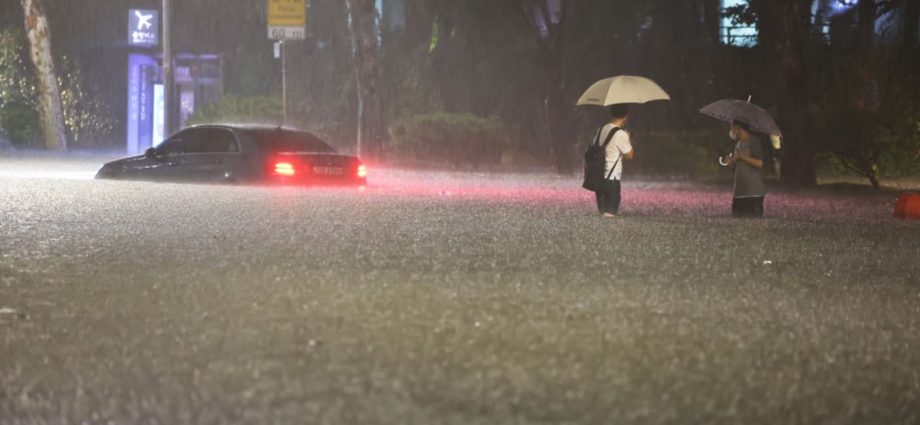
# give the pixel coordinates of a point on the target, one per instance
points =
(284, 169)
(362, 172)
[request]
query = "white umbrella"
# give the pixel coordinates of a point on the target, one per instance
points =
(622, 89)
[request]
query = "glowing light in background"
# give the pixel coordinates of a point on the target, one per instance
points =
(841, 5)
(737, 34)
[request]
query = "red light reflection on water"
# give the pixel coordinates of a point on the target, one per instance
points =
(639, 198)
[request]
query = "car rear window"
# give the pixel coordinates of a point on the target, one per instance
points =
(277, 141)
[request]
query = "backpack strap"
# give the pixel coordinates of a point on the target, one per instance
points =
(614, 167)
(613, 132)
(597, 137)
(610, 135)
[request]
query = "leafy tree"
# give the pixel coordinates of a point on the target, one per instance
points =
(18, 115)
(87, 120)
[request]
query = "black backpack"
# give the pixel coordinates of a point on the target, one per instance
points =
(596, 162)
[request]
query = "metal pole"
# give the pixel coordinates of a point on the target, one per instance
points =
(168, 79)
(360, 136)
(284, 91)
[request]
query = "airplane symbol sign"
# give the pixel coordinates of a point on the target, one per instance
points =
(143, 21)
(143, 27)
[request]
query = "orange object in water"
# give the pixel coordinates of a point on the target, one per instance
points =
(908, 206)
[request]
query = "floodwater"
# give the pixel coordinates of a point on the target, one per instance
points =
(433, 297)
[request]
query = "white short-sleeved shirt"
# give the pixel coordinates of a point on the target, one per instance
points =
(619, 146)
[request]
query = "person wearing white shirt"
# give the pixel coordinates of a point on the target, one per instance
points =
(618, 150)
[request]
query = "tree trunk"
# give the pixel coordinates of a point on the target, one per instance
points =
(909, 48)
(873, 179)
(39, 34)
(712, 14)
(911, 22)
(547, 18)
(866, 96)
(371, 121)
(556, 116)
(784, 30)
(419, 20)
(867, 13)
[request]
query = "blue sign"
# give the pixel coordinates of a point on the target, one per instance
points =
(142, 73)
(143, 27)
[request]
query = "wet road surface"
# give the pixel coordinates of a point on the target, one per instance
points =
(431, 298)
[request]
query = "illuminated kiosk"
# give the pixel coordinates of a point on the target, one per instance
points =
(198, 82)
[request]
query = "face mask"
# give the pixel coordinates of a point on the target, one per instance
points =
(733, 134)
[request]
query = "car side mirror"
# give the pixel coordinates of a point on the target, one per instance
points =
(151, 153)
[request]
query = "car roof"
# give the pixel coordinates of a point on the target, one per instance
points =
(237, 126)
(259, 132)
(256, 128)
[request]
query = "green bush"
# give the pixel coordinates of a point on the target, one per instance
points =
(665, 153)
(21, 122)
(248, 109)
(452, 139)
(870, 143)
(88, 120)
(904, 156)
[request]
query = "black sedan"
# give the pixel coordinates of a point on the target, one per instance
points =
(244, 154)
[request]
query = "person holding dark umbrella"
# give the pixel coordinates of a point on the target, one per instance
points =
(746, 121)
(750, 190)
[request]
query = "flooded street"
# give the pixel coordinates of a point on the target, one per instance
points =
(448, 298)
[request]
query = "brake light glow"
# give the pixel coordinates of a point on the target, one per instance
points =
(362, 172)
(284, 169)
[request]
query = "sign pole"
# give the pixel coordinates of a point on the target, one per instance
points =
(168, 80)
(284, 88)
(287, 20)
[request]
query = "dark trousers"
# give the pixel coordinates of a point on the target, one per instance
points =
(608, 198)
(747, 207)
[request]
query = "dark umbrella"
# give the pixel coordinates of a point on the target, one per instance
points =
(729, 110)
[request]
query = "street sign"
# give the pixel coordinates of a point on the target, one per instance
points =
(287, 19)
(143, 27)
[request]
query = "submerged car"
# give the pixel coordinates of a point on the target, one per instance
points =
(240, 154)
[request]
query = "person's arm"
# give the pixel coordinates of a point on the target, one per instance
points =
(753, 156)
(749, 160)
(625, 146)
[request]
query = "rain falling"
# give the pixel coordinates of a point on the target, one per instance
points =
(459, 212)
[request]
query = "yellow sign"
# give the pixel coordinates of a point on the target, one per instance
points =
(287, 19)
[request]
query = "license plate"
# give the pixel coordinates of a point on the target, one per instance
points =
(328, 171)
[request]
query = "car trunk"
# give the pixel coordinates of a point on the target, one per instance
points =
(306, 168)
